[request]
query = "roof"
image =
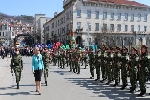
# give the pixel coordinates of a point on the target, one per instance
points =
(120, 2)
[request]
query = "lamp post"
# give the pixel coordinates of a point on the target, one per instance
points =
(88, 37)
(72, 39)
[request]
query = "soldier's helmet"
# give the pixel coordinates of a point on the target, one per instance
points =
(144, 46)
(45, 48)
(117, 48)
(16, 49)
(133, 48)
(125, 48)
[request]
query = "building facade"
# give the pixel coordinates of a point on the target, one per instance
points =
(101, 22)
(39, 21)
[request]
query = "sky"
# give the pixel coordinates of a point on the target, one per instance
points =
(32, 7)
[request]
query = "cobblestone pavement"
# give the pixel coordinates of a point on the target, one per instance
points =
(62, 85)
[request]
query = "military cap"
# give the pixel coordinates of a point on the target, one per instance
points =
(45, 48)
(144, 46)
(133, 48)
(16, 49)
(116, 47)
(125, 48)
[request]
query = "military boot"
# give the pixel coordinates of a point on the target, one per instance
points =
(116, 83)
(46, 83)
(17, 85)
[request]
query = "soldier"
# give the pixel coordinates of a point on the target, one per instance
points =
(133, 60)
(91, 63)
(117, 57)
(109, 61)
(46, 60)
(97, 64)
(124, 67)
(143, 70)
(103, 66)
(85, 57)
(70, 60)
(17, 65)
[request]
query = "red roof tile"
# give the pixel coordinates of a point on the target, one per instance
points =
(120, 2)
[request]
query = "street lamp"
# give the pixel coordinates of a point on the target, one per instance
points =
(88, 36)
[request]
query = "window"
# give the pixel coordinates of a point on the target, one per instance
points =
(139, 27)
(0, 33)
(78, 25)
(105, 27)
(12, 33)
(3, 34)
(139, 17)
(126, 28)
(58, 31)
(126, 16)
(96, 26)
(112, 27)
(132, 28)
(97, 14)
(119, 27)
(112, 16)
(88, 14)
(89, 26)
(104, 15)
(78, 13)
(145, 18)
(5, 28)
(132, 17)
(89, 40)
(145, 28)
(119, 16)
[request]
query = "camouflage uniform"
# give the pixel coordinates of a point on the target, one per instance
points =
(103, 65)
(46, 60)
(133, 70)
(124, 67)
(117, 57)
(97, 64)
(17, 66)
(91, 63)
(143, 71)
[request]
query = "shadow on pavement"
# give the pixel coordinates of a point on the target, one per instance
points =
(18, 93)
(6, 88)
(105, 90)
(62, 72)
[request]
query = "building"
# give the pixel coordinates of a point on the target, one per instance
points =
(39, 21)
(6, 33)
(101, 22)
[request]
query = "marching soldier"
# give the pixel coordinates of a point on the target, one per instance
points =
(103, 66)
(91, 63)
(97, 64)
(46, 60)
(143, 70)
(17, 65)
(124, 67)
(133, 60)
(109, 65)
(117, 57)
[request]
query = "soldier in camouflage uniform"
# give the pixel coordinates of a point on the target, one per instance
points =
(109, 61)
(46, 60)
(117, 57)
(124, 67)
(91, 63)
(143, 70)
(70, 60)
(17, 65)
(76, 59)
(133, 62)
(102, 64)
(97, 64)
(62, 59)
(85, 57)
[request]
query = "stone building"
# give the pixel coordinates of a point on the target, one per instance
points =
(110, 22)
